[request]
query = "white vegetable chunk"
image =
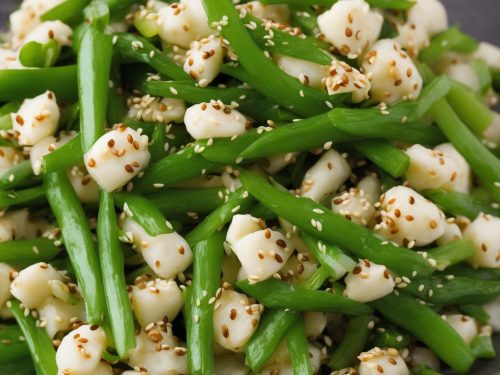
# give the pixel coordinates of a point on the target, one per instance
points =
(465, 325)
(80, 350)
(263, 253)
(354, 206)
(36, 119)
(280, 361)
(6, 273)
(55, 315)
(151, 108)
(377, 361)
(326, 176)
(9, 59)
(298, 268)
(484, 232)
(308, 73)
(408, 218)
(493, 309)
(451, 234)
(155, 300)
(235, 319)
(214, 120)
(368, 282)
(85, 186)
(183, 23)
(204, 60)
(351, 26)
(441, 168)
(371, 187)
(314, 323)
(117, 157)
(490, 54)
(51, 30)
(274, 164)
(46, 146)
(241, 225)
(344, 78)
(13, 225)
(392, 74)
(276, 12)
(31, 286)
(463, 73)
(9, 157)
(158, 352)
(103, 369)
(167, 254)
(424, 356)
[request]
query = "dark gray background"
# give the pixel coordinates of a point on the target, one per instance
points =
(480, 18)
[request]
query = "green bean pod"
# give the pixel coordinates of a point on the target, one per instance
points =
(207, 267)
(297, 347)
(386, 156)
(12, 348)
(40, 346)
(22, 253)
(428, 327)
(115, 286)
(78, 241)
(452, 253)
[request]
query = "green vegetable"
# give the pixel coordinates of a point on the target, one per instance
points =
(22, 253)
(144, 212)
(36, 55)
(94, 64)
(452, 253)
(298, 348)
(428, 327)
(78, 241)
(352, 344)
(450, 39)
(29, 197)
(19, 175)
(69, 11)
(69, 154)
(389, 158)
(389, 4)
(199, 312)
(40, 346)
(11, 347)
(115, 286)
(482, 347)
(389, 336)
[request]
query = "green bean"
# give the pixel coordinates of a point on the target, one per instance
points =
(37, 55)
(463, 270)
(389, 4)
(69, 154)
(307, 48)
(31, 197)
(388, 157)
(302, 135)
(237, 201)
(140, 271)
(177, 202)
(452, 253)
(23, 366)
(477, 312)
(304, 18)
(334, 228)
(482, 347)
(116, 104)
(355, 339)
(115, 286)
(40, 346)
(207, 267)
(483, 74)
(19, 175)
(174, 168)
(457, 291)
(455, 203)
(78, 241)
(249, 102)
(428, 326)
(157, 143)
(97, 14)
(284, 90)
(227, 150)
(389, 336)
(371, 123)
(495, 75)
(69, 11)
(140, 49)
(22, 253)
(299, 351)
(176, 135)
(329, 256)
(94, 64)
(19, 84)
(274, 325)
(450, 39)
(144, 212)
(12, 348)
(481, 160)
(278, 294)
(469, 107)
